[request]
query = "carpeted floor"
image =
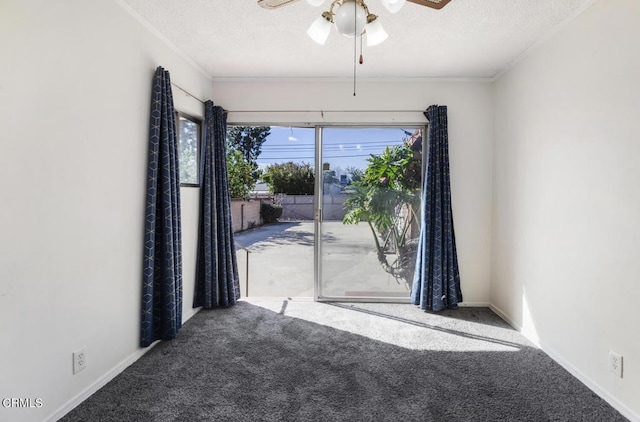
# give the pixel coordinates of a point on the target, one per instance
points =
(307, 361)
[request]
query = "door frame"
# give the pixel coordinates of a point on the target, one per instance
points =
(318, 201)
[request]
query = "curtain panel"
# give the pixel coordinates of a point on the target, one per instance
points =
(162, 274)
(217, 282)
(436, 281)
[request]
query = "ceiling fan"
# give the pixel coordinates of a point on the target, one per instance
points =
(353, 20)
(274, 4)
(351, 17)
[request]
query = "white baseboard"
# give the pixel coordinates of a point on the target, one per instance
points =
(99, 383)
(191, 313)
(103, 380)
(509, 321)
(594, 386)
(581, 376)
(473, 304)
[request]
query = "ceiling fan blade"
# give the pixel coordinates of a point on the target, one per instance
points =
(434, 4)
(274, 4)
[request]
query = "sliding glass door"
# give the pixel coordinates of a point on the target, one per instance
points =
(367, 208)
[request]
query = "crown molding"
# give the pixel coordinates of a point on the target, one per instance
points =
(223, 79)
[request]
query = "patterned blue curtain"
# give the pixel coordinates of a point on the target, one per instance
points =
(162, 276)
(436, 282)
(217, 282)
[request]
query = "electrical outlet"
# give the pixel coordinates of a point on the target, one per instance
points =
(79, 360)
(615, 363)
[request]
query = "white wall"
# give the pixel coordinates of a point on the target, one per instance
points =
(566, 214)
(75, 79)
(470, 113)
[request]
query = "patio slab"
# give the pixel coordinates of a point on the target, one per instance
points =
(281, 262)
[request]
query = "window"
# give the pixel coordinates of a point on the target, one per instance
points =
(189, 132)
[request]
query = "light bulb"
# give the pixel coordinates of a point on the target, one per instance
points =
(350, 18)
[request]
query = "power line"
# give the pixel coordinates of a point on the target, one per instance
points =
(312, 158)
(325, 149)
(334, 143)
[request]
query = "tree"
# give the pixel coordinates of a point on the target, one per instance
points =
(290, 178)
(248, 141)
(241, 181)
(188, 149)
(386, 197)
(355, 174)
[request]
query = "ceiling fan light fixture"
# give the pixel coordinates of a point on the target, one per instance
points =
(375, 32)
(393, 6)
(320, 29)
(350, 18)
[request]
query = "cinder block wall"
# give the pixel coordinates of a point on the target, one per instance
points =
(300, 207)
(245, 214)
(297, 207)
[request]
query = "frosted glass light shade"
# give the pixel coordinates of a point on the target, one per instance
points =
(315, 3)
(319, 30)
(375, 33)
(393, 6)
(350, 19)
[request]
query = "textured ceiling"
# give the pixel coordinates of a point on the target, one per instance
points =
(466, 39)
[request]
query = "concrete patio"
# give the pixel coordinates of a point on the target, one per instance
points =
(281, 262)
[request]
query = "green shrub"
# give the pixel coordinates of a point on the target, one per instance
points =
(270, 212)
(290, 178)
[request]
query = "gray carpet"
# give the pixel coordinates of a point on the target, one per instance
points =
(306, 361)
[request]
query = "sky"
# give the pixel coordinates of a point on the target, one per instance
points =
(342, 147)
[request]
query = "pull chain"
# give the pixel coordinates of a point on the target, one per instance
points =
(355, 44)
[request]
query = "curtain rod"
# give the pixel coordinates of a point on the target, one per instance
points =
(299, 111)
(187, 92)
(326, 111)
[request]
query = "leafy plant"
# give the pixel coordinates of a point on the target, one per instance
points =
(386, 197)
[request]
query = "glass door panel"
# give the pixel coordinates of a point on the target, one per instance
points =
(368, 203)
